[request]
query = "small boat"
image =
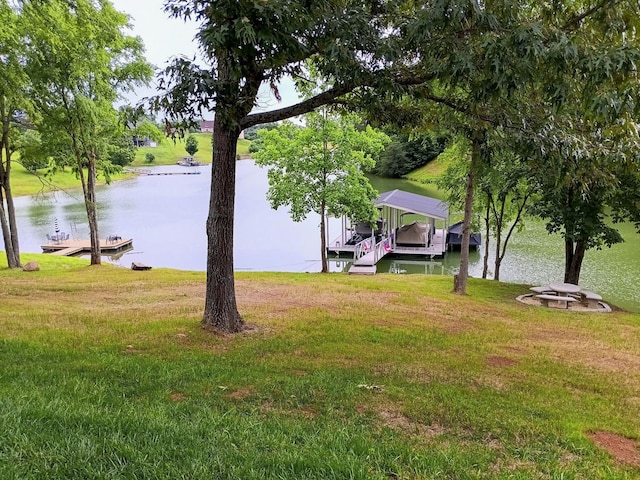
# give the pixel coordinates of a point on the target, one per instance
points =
(139, 266)
(188, 162)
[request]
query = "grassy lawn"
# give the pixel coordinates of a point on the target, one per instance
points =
(106, 373)
(24, 182)
(169, 152)
(431, 171)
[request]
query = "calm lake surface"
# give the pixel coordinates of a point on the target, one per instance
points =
(165, 216)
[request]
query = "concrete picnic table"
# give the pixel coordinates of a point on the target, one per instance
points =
(561, 294)
(564, 287)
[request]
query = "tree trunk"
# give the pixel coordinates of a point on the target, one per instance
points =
(487, 230)
(7, 215)
(573, 260)
(220, 310)
(12, 262)
(323, 238)
(460, 286)
(92, 211)
(498, 260)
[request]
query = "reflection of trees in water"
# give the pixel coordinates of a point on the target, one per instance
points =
(41, 213)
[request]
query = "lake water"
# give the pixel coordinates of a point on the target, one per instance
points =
(165, 216)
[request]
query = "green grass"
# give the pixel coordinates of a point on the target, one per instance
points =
(106, 373)
(24, 182)
(432, 170)
(170, 151)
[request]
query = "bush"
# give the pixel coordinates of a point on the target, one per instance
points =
(149, 157)
(121, 150)
(191, 145)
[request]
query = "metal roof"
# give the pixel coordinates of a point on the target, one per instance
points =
(414, 203)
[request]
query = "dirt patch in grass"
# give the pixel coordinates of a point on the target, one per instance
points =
(577, 347)
(178, 397)
(623, 449)
(497, 361)
(240, 394)
(399, 422)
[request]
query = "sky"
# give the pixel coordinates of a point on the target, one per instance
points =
(166, 37)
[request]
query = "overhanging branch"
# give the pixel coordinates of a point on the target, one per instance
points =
(298, 109)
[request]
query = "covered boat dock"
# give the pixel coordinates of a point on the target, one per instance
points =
(424, 235)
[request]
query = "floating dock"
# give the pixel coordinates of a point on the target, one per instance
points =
(168, 173)
(74, 246)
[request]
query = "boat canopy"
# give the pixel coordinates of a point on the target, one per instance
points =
(414, 203)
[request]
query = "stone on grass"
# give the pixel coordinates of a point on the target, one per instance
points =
(31, 266)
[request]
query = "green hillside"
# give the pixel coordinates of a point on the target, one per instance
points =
(170, 151)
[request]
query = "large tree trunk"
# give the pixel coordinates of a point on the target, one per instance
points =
(460, 281)
(499, 221)
(323, 238)
(12, 261)
(220, 310)
(574, 255)
(7, 215)
(92, 211)
(487, 231)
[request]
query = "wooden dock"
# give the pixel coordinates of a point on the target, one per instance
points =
(74, 246)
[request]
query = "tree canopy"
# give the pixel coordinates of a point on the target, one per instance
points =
(78, 61)
(321, 168)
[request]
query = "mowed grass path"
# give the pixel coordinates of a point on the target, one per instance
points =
(106, 373)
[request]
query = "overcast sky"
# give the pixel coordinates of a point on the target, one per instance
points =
(166, 37)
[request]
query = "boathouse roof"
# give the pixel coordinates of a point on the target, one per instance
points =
(414, 203)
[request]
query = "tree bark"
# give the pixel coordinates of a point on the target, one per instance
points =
(574, 256)
(487, 231)
(92, 211)
(7, 215)
(460, 286)
(499, 220)
(220, 310)
(323, 238)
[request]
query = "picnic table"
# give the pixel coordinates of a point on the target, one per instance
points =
(564, 288)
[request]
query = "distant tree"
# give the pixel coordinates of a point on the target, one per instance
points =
(78, 60)
(251, 133)
(321, 169)
(150, 157)
(13, 81)
(147, 130)
(120, 150)
(584, 192)
(33, 154)
(191, 145)
(503, 190)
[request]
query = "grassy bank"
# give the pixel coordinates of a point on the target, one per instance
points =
(169, 151)
(107, 374)
(24, 182)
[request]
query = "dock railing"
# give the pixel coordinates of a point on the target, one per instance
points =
(363, 247)
(369, 245)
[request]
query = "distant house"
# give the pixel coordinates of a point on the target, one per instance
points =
(206, 126)
(143, 142)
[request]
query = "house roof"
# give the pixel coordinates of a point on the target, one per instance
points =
(414, 203)
(206, 124)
